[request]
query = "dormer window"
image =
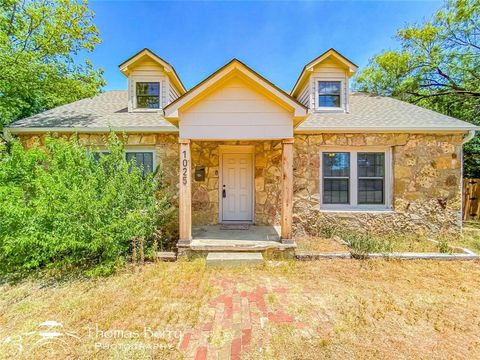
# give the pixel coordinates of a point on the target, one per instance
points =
(329, 94)
(148, 95)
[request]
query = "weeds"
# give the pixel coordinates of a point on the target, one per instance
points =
(363, 244)
(326, 229)
(443, 246)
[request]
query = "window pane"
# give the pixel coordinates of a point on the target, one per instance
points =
(329, 87)
(149, 102)
(371, 164)
(148, 88)
(335, 191)
(143, 160)
(370, 191)
(336, 164)
(329, 101)
(148, 95)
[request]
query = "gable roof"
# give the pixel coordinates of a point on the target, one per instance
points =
(169, 69)
(235, 66)
(371, 113)
(368, 113)
(330, 52)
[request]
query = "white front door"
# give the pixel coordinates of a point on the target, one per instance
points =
(237, 187)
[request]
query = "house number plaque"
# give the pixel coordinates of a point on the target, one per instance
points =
(184, 168)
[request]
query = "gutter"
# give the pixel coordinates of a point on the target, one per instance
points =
(346, 129)
(86, 130)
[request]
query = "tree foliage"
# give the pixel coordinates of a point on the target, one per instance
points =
(437, 66)
(61, 207)
(40, 41)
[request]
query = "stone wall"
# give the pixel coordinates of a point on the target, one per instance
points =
(426, 188)
(205, 194)
(426, 174)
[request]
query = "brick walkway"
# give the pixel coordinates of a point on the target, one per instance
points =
(236, 316)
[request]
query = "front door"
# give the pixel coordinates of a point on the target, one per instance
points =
(237, 187)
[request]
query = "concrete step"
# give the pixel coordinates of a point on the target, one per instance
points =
(234, 258)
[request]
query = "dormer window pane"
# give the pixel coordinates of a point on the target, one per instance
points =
(329, 93)
(148, 95)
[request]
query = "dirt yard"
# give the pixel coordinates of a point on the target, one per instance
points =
(341, 309)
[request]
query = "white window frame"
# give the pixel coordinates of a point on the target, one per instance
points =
(353, 184)
(131, 149)
(141, 79)
(342, 94)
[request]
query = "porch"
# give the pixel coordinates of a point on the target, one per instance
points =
(236, 182)
(234, 107)
(229, 238)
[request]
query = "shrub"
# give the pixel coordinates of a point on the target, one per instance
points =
(362, 244)
(443, 245)
(62, 207)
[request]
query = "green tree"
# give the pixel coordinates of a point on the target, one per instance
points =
(437, 66)
(39, 43)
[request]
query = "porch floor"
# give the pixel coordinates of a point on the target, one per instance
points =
(256, 238)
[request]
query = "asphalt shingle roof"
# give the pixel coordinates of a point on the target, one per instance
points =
(104, 111)
(367, 112)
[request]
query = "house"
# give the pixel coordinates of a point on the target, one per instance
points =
(238, 149)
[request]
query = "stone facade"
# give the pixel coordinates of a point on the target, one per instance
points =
(426, 179)
(426, 184)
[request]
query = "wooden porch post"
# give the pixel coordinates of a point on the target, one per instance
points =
(287, 191)
(185, 194)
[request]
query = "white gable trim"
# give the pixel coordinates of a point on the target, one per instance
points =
(169, 70)
(172, 110)
(352, 68)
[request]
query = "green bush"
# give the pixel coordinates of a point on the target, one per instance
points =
(60, 207)
(362, 244)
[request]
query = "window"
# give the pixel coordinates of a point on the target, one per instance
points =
(148, 95)
(143, 159)
(355, 179)
(371, 178)
(336, 178)
(329, 94)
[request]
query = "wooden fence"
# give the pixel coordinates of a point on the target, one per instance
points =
(471, 199)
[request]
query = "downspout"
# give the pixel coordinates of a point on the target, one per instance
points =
(467, 138)
(470, 136)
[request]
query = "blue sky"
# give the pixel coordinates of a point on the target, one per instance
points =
(275, 38)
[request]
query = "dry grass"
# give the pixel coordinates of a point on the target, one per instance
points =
(311, 243)
(375, 244)
(471, 236)
(160, 296)
(352, 309)
(381, 310)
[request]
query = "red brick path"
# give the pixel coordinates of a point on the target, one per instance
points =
(235, 317)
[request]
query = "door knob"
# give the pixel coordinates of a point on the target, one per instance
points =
(224, 193)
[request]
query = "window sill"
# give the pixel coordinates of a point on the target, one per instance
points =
(329, 110)
(141, 110)
(358, 210)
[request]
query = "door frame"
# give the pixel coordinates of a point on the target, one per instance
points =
(234, 149)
